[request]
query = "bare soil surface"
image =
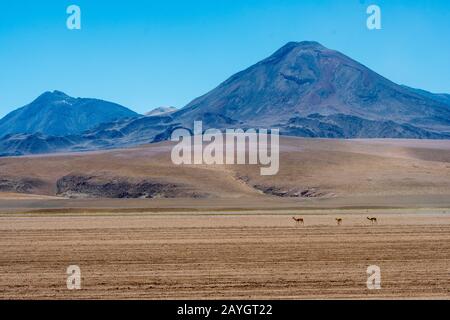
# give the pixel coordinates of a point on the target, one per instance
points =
(318, 169)
(227, 254)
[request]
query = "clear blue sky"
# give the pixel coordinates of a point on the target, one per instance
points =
(145, 54)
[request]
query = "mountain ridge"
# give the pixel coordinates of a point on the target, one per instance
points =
(303, 88)
(160, 111)
(56, 113)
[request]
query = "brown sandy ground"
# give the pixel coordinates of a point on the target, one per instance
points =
(415, 170)
(226, 254)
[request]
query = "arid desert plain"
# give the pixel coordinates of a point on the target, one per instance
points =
(212, 232)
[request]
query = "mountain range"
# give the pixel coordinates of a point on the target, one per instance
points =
(304, 89)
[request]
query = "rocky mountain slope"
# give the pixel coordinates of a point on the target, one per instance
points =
(55, 113)
(305, 78)
(161, 111)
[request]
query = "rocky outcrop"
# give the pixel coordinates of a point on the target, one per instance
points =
(161, 111)
(83, 186)
(19, 185)
(286, 192)
(345, 126)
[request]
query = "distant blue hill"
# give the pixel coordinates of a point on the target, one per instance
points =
(57, 114)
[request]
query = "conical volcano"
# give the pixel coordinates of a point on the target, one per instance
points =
(303, 82)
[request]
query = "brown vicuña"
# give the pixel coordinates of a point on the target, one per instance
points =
(299, 220)
(373, 220)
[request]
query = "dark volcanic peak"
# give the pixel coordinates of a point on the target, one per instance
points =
(292, 48)
(305, 45)
(53, 94)
(52, 97)
(302, 44)
(303, 78)
(56, 113)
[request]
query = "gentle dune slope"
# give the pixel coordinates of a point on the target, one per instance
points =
(310, 170)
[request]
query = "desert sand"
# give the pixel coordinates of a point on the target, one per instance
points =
(320, 168)
(253, 255)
